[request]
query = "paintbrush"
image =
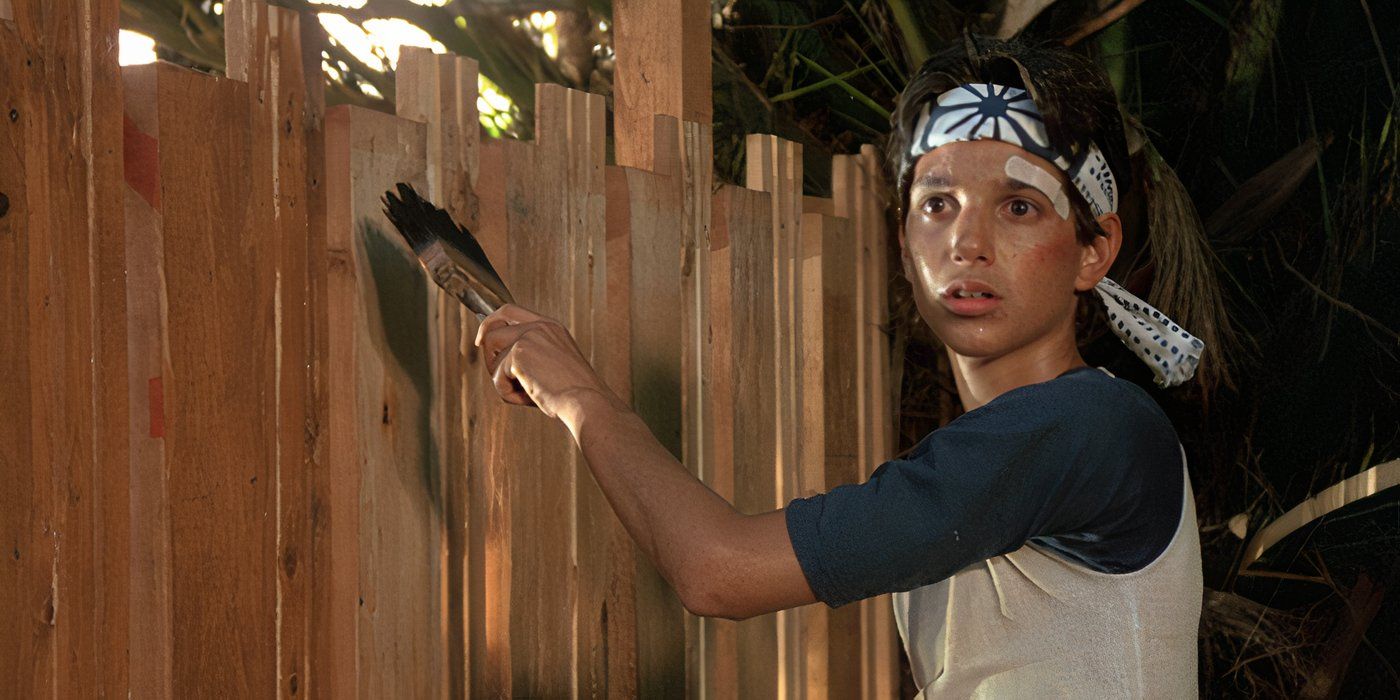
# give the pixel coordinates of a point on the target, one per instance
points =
(448, 251)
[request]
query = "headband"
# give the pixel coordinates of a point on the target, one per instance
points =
(987, 111)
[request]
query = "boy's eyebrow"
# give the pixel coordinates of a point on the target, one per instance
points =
(1012, 183)
(929, 179)
(935, 180)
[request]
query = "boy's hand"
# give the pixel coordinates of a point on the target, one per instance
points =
(540, 355)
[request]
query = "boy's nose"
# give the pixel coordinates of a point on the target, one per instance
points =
(969, 240)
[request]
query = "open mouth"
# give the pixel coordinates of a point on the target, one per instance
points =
(969, 298)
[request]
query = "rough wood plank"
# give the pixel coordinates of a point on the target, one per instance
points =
(26, 652)
(684, 152)
(148, 363)
(220, 416)
(663, 68)
(489, 587)
(540, 473)
(649, 213)
(774, 165)
(317, 562)
(831, 638)
(62, 122)
(742, 311)
(616, 369)
(440, 91)
(263, 47)
(387, 392)
(606, 648)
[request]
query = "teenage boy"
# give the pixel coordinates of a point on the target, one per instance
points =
(1042, 544)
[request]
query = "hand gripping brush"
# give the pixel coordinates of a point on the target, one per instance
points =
(448, 252)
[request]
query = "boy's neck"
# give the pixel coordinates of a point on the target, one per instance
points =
(981, 379)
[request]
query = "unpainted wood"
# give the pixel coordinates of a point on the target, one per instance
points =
(150, 671)
(742, 312)
(65, 336)
(263, 46)
(219, 396)
(774, 165)
(663, 68)
(650, 215)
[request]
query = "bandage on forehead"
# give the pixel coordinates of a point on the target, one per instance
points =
(977, 111)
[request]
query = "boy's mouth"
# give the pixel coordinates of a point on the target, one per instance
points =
(969, 298)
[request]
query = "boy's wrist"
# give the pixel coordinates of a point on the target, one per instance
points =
(590, 405)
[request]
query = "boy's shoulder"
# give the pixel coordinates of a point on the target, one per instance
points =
(1085, 400)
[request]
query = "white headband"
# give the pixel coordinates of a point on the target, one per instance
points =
(988, 111)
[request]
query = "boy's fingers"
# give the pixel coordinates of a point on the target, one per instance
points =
(496, 341)
(508, 314)
(510, 391)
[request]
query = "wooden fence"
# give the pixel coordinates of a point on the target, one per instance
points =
(250, 449)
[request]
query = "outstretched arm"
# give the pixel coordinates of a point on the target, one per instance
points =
(721, 563)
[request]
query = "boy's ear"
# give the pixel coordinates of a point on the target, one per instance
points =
(1098, 256)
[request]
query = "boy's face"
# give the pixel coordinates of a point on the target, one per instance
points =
(991, 215)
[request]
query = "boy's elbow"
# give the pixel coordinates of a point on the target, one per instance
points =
(704, 599)
(705, 592)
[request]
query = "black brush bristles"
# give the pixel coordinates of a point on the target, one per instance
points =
(449, 252)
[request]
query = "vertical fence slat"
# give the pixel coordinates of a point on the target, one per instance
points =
(385, 409)
(263, 47)
(148, 362)
(652, 224)
(439, 91)
(830, 262)
(219, 402)
(775, 166)
(26, 653)
(65, 575)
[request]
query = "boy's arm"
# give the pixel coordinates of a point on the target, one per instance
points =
(721, 562)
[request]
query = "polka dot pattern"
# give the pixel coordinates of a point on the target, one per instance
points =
(1167, 348)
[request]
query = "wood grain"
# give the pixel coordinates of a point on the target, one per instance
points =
(63, 257)
(382, 395)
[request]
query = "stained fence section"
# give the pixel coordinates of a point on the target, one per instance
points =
(252, 450)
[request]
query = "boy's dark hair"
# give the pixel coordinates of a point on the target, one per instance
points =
(1073, 94)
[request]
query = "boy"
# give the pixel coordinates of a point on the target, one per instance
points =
(1043, 543)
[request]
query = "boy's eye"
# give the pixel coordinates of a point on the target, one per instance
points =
(1021, 207)
(934, 205)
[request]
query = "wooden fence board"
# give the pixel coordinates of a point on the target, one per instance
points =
(831, 637)
(440, 91)
(742, 311)
(650, 216)
(26, 653)
(263, 46)
(65, 335)
(774, 165)
(381, 409)
(217, 413)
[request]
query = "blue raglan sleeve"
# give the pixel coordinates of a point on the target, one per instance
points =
(1042, 460)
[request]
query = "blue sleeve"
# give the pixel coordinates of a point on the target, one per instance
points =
(1074, 463)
